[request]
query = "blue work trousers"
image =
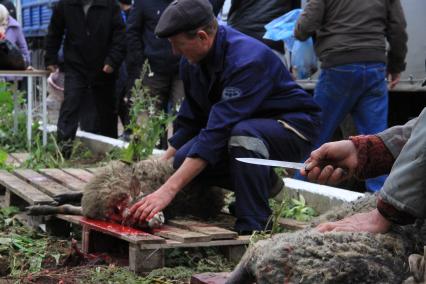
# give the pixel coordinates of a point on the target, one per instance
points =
(359, 89)
(257, 138)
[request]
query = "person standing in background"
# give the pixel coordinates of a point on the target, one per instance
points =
(12, 31)
(351, 45)
(93, 34)
(10, 7)
(122, 92)
(251, 16)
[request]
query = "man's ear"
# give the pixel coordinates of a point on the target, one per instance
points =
(202, 35)
(135, 187)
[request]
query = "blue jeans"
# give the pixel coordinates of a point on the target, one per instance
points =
(359, 89)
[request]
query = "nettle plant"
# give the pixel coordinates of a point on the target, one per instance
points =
(11, 139)
(147, 121)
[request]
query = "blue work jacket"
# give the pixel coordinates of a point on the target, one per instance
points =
(240, 78)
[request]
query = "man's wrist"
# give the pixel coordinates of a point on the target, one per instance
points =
(392, 214)
(170, 189)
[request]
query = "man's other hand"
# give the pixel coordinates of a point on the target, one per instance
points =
(108, 69)
(372, 222)
(332, 163)
(393, 79)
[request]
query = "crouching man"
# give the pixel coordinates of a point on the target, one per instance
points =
(240, 101)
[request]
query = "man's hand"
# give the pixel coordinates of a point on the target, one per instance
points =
(332, 163)
(372, 222)
(150, 205)
(108, 69)
(145, 209)
(393, 79)
(2, 36)
(52, 68)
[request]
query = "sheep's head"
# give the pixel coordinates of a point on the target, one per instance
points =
(110, 195)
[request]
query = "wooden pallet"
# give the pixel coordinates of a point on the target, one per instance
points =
(146, 250)
(24, 187)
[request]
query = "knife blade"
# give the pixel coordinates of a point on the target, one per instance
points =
(272, 163)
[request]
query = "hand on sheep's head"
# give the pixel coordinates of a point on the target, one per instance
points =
(145, 209)
(372, 222)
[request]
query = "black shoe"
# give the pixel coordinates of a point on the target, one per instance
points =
(125, 136)
(66, 148)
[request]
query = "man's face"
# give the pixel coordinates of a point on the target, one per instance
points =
(193, 49)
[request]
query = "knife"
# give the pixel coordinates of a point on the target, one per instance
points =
(272, 163)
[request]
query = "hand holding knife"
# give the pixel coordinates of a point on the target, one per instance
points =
(288, 165)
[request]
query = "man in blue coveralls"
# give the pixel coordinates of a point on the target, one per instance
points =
(240, 101)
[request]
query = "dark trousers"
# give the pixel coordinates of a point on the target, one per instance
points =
(257, 138)
(169, 91)
(123, 96)
(167, 88)
(90, 103)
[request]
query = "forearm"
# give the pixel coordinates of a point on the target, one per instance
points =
(117, 49)
(392, 214)
(55, 35)
(310, 20)
(190, 168)
(405, 187)
(397, 37)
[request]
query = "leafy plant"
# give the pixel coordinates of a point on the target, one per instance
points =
(297, 209)
(288, 208)
(11, 139)
(147, 122)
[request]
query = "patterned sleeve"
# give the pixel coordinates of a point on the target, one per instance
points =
(374, 158)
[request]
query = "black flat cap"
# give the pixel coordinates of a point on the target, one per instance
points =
(184, 15)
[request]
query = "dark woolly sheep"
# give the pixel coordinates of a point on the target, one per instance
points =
(109, 195)
(308, 256)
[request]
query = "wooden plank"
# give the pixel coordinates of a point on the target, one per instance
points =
(67, 180)
(292, 224)
(24, 190)
(180, 235)
(132, 235)
(20, 157)
(215, 232)
(95, 171)
(241, 240)
(12, 161)
(210, 278)
(81, 174)
(144, 261)
(43, 183)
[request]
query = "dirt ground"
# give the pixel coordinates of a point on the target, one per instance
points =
(61, 260)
